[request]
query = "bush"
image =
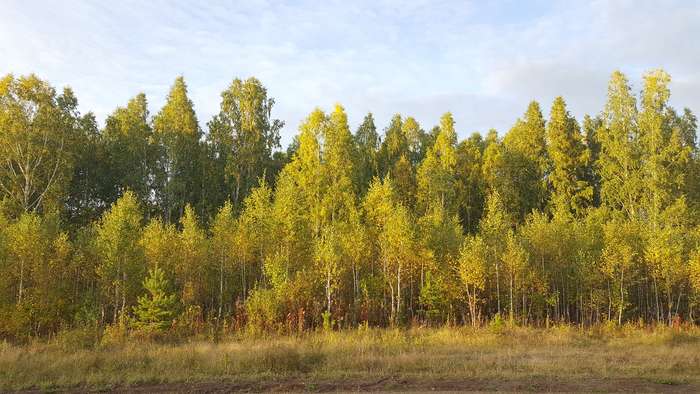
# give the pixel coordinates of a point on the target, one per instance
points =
(86, 337)
(497, 325)
(262, 308)
(114, 335)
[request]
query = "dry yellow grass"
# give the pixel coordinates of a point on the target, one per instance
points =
(514, 358)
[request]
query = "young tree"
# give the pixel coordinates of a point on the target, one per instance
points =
(515, 261)
(27, 250)
(694, 278)
(618, 260)
(156, 310)
(223, 241)
(664, 251)
(158, 242)
(473, 273)
(328, 257)
(393, 233)
(192, 270)
(253, 238)
(121, 268)
(495, 227)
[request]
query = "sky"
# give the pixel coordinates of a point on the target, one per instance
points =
(483, 60)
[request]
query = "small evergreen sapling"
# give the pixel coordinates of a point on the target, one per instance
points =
(155, 311)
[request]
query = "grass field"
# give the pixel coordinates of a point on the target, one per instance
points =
(510, 359)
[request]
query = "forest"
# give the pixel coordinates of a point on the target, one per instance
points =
(161, 225)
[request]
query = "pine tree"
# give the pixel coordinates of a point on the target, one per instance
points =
(528, 137)
(526, 142)
(156, 310)
(591, 127)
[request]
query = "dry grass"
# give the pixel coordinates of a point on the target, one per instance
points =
(653, 355)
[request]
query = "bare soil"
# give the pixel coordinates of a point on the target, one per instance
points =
(397, 384)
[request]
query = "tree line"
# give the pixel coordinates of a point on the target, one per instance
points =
(152, 224)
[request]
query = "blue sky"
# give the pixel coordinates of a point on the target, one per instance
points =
(484, 61)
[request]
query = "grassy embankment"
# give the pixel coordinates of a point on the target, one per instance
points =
(562, 358)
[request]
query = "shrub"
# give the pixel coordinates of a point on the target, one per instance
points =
(262, 308)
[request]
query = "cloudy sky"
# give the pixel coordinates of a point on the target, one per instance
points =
(484, 61)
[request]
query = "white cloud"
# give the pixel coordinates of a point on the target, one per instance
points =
(482, 61)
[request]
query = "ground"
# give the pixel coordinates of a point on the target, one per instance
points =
(563, 359)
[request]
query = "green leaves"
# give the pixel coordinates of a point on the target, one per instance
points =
(36, 127)
(155, 310)
(571, 193)
(567, 222)
(177, 134)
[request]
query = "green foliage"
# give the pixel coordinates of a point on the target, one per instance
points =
(243, 136)
(36, 129)
(121, 269)
(156, 310)
(553, 222)
(130, 153)
(176, 130)
(473, 273)
(571, 193)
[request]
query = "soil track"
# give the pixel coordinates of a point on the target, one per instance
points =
(394, 384)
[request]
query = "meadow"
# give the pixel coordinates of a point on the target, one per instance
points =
(562, 358)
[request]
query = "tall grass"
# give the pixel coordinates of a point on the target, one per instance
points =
(564, 352)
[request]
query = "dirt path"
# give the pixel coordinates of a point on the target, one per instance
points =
(392, 384)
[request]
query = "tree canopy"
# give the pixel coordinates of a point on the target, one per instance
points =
(156, 223)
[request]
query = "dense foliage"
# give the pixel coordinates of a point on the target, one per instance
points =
(153, 224)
